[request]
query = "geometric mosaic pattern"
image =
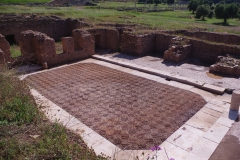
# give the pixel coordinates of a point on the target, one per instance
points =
(130, 111)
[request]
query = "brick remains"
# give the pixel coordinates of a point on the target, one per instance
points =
(5, 55)
(53, 26)
(179, 50)
(226, 65)
(36, 46)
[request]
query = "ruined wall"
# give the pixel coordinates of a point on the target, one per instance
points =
(105, 38)
(43, 51)
(138, 44)
(226, 38)
(226, 65)
(179, 50)
(208, 52)
(53, 26)
(162, 42)
(5, 54)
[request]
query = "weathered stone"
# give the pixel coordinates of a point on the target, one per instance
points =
(235, 101)
(5, 55)
(179, 50)
(53, 26)
(226, 65)
(137, 44)
(42, 48)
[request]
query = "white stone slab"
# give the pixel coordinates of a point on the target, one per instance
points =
(132, 154)
(214, 89)
(220, 103)
(227, 119)
(172, 151)
(185, 137)
(206, 95)
(202, 121)
(216, 133)
(205, 117)
(214, 107)
(203, 150)
(103, 146)
(180, 85)
(224, 97)
(211, 112)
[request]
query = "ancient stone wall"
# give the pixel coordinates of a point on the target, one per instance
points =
(138, 44)
(5, 54)
(162, 42)
(105, 38)
(226, 38)
(43, 51)
(226, 65)
(53, 26)
(179, 50)
(208, 52)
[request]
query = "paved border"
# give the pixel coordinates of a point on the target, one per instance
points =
(170, 76)
(196, 139)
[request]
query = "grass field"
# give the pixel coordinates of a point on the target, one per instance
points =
(22, 1)
(169, 20)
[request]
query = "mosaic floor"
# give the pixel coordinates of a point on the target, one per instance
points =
(130, 111)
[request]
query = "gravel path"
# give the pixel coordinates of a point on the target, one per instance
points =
(192, 68)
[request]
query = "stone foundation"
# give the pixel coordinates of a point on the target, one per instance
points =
(179, 50)
(42, 48)
(162, 42)
(225, 38)
(53, 26)
(5, 55)
(138, 44)
(226, 65)
(208, 52)
(108, 39)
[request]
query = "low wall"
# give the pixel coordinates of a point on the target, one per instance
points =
(235, 71)
(208, 52)
(42, 48)
(105, 38)
(162, 42)
(5, 55)
(53, 26)
(138, 44)
(226, 38)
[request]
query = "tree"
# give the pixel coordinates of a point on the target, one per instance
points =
(156, 2)
(192, 5)
(226, 11)
(170, 1)
(203, 10)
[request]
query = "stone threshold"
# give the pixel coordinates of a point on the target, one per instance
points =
(196, 139)
(170, 76)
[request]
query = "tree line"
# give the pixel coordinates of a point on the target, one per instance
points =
(222, 10)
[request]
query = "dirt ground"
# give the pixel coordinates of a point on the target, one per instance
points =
(229, 148)
(130, 111)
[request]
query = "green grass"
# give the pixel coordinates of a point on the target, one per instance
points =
(58, 46)
(25, 133)
(15, 51)
(23, 1)
(168, 20)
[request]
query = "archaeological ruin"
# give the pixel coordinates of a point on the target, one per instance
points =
(36, 36)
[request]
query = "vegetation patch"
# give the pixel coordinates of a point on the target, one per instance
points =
(15, 51)
(23, 1)
(27, 134)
